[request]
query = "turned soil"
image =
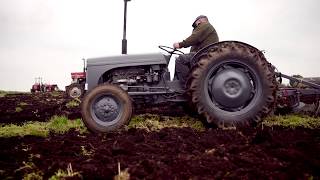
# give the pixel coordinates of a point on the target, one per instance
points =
(24, 107)
(19, 108)
(171, 153)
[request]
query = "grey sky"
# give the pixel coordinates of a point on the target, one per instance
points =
(48, 38)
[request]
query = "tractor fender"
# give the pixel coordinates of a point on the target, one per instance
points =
(203, 51)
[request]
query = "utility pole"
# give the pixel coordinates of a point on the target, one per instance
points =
(124, 40)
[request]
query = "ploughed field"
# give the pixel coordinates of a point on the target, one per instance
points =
(176, 151)
(23, 107)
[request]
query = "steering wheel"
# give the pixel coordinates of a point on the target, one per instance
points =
(171, 50)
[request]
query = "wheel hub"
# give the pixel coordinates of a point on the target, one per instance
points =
(231, 88)
(106, 109)
(75, 92)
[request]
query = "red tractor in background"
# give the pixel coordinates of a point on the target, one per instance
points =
(39, 86)
(77, 87)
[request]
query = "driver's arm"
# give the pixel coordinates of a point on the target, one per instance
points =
(196, 36)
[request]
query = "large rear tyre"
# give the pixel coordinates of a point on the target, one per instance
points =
(233, 85)
(106, 108)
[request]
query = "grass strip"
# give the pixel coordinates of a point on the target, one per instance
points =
(3, 93)
(57, 124)
(61, 124)
(155, 122)
(293, 121)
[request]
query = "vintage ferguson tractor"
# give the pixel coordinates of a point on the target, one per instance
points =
(230, 84)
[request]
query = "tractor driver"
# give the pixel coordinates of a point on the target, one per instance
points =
(202, 35)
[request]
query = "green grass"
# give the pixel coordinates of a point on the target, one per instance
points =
(155, 122)
(3, 93)
(31, 171)
(293, 121)
(149, 122)
(61, 124)
(22, 104)
(34, 128)
(18, 109)
(56, 93)
(122, 174)
(57, 124)
(65, 174)
(73, 103)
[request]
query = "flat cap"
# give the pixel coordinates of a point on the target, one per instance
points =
(199, 17)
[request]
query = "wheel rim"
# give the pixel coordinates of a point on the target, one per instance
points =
(232, 87)
(75, 92)
(106, 109)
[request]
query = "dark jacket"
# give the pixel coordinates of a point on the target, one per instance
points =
(203, 35)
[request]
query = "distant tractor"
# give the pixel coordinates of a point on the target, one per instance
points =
(77, 87)
(39, 86)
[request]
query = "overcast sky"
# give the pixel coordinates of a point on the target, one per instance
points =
(48, 38)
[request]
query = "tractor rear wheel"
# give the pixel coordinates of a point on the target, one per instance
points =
(232, 84)
(106, 108)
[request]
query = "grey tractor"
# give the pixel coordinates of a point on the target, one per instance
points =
(230, 84)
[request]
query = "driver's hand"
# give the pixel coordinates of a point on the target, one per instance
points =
(176, 45)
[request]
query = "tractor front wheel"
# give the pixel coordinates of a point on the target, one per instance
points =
(75, 90)
(106, 108)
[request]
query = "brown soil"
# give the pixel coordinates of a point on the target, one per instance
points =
(269, 153)
(42, 106)
(169, 154)
(35, 107)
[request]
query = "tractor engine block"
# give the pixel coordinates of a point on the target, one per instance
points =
(135, 76)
